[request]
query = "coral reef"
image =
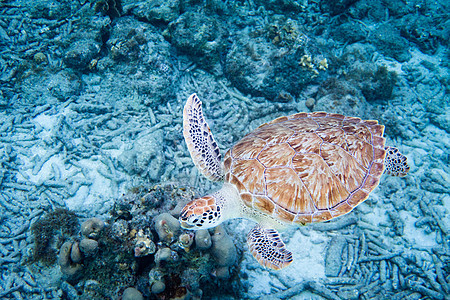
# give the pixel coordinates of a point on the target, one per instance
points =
(164, 255)
(333, 255)
(224, 252)
(75, 253)
(379, 84)
(336, 7)
(143, 158)
(103, 258)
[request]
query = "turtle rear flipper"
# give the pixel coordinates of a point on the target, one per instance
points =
(267, 247)
(201, 144)
(395, 163)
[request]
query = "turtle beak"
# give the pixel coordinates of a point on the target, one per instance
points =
(184, 217)
(186, 225)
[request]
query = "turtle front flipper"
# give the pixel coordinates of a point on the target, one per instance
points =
(267, 247)
(395, 163)
(201, 144)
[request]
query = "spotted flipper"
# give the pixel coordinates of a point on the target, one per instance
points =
(201, 144)
(267, 247)
(395, 163)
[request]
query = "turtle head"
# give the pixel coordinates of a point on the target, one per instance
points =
(201, 213)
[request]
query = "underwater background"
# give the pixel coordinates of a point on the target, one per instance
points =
(94, 169)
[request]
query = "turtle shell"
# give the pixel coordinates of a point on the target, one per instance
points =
(307, 167)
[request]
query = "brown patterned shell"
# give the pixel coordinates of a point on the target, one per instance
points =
(307, 167)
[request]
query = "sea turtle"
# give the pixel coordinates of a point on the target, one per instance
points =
(294, 170)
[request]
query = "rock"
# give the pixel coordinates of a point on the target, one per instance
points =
(58, 10)
(348, 33)
(400, 8)
(335, 7)
(167, 227)
(128, 39)
(310, 103)
(416, 29)
(92, 290)
(88, 247)
(145, 157)
(40, 58)
(158, 287)
(436, 180)
(163, 254)
(222, 273)
(70, 292)
(441, 120)
(202, 239)
(119, 230)
(343, 97)
(157, 11)
(138, 48)
(186, 240)
(111, 8)
(388, 41)
(223, 248)
(81, 53)
(282, 6)
(68, 267)
(256, 66)
(92, 227)
(132, 294)
(156, 282)
(144, 245)
(202, 37)
(64, 84)
(333, 256)
(75, 253)
(378, 84)
(350, 294)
